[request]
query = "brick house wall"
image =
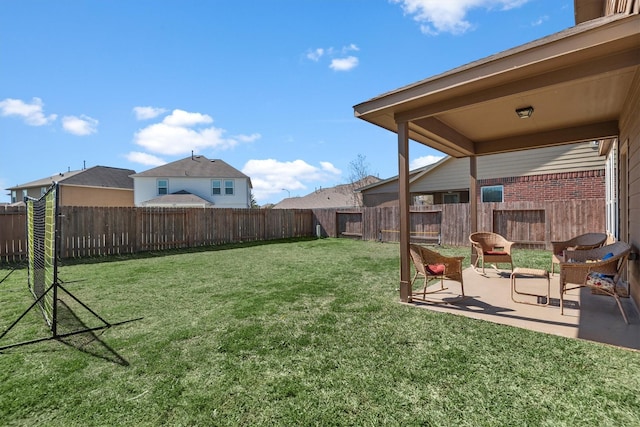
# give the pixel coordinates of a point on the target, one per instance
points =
(555, 186)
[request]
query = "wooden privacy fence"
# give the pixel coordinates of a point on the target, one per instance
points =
(13, 242)
(94, 231)
(104, 231)
(382, 224)
(530, 224)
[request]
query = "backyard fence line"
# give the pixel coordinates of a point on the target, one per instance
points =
(13, 241)
(97, 231)
(529, 224)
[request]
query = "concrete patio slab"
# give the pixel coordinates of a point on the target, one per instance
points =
(586, 316)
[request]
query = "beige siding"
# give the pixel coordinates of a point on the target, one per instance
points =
(95, 196)
(563, 158)
(630, 217)
(454, 174)
(387, 187)
(450, 175)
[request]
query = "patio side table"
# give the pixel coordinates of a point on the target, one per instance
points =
(529, 272)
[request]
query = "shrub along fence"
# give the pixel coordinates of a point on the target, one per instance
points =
(95, 231)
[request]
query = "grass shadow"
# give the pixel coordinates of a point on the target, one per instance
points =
(74, 332)
(177, 251)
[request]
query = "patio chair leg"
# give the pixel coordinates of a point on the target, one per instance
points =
(624, 315)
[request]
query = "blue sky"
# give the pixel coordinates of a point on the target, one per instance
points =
(266, 85)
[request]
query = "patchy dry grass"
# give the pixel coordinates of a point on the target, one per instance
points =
(295, 333)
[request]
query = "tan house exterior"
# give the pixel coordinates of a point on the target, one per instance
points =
(583, 84)
(96, 186)
(562, 172)
(340, 196)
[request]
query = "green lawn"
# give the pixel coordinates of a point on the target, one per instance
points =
(294, 333)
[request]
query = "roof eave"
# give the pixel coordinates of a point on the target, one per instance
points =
(584, 44)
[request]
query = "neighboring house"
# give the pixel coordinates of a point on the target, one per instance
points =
(194, 181)
(564, 172)
(340, 196)
(95, 186)
(580, 84)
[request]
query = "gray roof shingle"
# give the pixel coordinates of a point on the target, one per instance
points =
(193, 166)
(179, 199)
(340, 196)
(96, 176)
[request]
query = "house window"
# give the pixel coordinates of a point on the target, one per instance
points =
(163, 187)
(43, 191)
(492, 193)
(216, 187)
(14, 196)
(228, 187)
(451, 198)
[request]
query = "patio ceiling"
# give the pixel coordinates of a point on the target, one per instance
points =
(577, 81)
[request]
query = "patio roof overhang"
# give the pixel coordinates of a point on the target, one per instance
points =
(577, 81)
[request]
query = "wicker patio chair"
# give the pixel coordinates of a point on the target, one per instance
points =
(491, 248)
(432, 265)
(581, 242)
(597, 268)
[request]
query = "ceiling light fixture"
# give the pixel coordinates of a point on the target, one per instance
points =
(524, 113)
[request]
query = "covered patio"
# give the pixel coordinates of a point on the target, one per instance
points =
(581, 84)
(586, 316)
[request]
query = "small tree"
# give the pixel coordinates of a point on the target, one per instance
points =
(359, 173)
(254, 204)
(358, 169)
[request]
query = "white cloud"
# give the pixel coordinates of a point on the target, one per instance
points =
(338, 60)
(350, 48)
(437, 16)
(315, 54)
(145, 159)
(424, 161)
(83, 125)
(32, 113)
(248, 138)
(146, 113)
(344, 64)
(179, 133)
(185, 118)
(540, 21)
(269, 177)
(327, 166)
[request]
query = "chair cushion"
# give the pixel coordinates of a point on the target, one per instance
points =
(607, 256)
(598, 280)
(435, 269)
(495, 253)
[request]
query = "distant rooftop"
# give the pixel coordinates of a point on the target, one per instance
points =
(340, 196)
(96, 176)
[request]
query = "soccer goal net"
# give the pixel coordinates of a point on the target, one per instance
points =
(42, 217)
(42, 276)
